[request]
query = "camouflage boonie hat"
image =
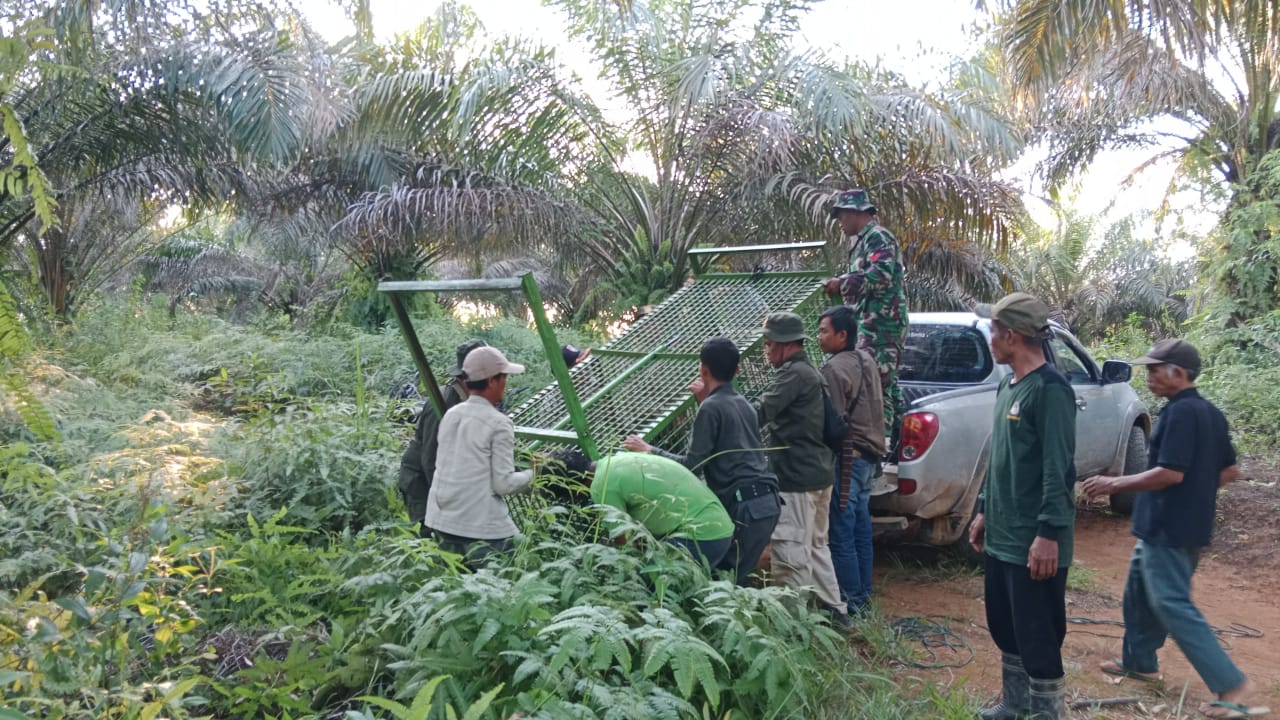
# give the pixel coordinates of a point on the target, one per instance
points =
(852, 200)
(464, 350)
(784, 327)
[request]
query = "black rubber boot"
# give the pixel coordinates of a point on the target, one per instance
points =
(1015, 700)
(1047, 698)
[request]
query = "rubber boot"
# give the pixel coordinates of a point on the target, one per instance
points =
(1047, 698)
(1015, 698)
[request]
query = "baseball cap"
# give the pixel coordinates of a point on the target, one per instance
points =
(1173, 352)
(1023, 313)
(572, 355)
(483, 363)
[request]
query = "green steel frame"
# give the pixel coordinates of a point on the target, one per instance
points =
(637, 382)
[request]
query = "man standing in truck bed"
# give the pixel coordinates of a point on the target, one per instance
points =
(873, 287)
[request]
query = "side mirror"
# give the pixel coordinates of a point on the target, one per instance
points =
(1116, 371)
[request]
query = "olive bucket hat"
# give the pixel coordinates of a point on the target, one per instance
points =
(852, 200)
(784, 327)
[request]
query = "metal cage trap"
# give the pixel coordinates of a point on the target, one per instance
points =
(637, 383)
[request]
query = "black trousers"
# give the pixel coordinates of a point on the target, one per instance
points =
(753, 522)
(1027, 617)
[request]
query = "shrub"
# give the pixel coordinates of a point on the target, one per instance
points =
(329, 467)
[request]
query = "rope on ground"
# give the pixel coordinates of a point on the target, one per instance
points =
(937, 637)
(1234, 630)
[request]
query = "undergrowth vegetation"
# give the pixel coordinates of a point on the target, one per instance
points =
(214, 533)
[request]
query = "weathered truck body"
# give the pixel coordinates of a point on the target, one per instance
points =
(949, 380)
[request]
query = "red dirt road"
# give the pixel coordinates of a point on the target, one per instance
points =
(1238, 582)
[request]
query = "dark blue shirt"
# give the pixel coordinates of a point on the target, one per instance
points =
(1191, 436)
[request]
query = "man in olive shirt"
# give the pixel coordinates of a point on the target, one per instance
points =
(668, 500)
(418, 464)
(791, 414)
(725, 448)
(1026, 512)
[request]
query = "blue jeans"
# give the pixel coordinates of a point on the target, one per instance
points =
(708, 552)
(1157, 604)
(850, 536)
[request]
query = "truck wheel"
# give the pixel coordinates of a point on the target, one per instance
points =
(1135, 461)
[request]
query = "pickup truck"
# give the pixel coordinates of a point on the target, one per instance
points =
(929, 488)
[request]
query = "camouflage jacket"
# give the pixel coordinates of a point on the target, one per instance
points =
(873, 286)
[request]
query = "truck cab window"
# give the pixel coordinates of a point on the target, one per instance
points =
(1070, 364)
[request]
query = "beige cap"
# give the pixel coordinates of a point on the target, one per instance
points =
(485, 362)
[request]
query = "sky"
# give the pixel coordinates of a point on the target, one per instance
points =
(915, 38)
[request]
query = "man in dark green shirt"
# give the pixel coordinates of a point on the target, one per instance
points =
(1026, 512)
(726, 450)
(791, 415)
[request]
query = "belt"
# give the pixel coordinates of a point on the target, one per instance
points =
(750, 491)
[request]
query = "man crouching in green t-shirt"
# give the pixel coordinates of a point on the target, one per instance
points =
(1026, 513)
(669, 501)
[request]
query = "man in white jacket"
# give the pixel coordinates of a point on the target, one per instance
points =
(475, 467)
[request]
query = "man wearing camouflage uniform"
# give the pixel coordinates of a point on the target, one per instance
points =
(873, 288)
(418, 464)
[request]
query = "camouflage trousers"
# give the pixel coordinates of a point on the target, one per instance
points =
(887, 357)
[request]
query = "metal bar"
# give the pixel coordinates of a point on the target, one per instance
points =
(671, 415)
(540, 434)
(419, 357)
(785, 274)
(559, 369)
(656, 355)
(734, 250)
(395, 286)
(621, 378)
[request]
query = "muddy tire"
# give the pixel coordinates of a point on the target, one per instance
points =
(1135, 461)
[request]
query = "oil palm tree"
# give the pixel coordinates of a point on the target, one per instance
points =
(746, 139)
(1198, 82)
(139, 107)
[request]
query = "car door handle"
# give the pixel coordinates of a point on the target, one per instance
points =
(1080, 403)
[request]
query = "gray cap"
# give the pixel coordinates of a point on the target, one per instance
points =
(784, 327)
(485, 362)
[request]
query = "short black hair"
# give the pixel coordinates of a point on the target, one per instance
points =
(720, 355)
(843, 319)
(565, 477)
(482, 384)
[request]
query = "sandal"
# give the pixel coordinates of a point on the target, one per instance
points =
(1116, 668)
(1235, 711)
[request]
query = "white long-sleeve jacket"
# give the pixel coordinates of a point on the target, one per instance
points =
(475, 471)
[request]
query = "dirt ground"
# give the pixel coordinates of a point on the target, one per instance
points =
(1237, 587)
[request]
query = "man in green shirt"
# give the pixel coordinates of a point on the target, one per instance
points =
(668, 500)
(792, 416)
(1026, 512)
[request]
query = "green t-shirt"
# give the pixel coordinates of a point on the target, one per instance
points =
(661, 495)
(1031, 470)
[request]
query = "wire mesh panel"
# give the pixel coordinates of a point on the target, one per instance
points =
(637, 383)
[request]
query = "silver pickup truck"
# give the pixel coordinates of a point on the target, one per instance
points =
(949, 380)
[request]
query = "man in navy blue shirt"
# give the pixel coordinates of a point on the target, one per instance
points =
(1190, 457)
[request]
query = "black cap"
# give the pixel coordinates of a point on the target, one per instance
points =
(572, 354)
(1172, 352)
